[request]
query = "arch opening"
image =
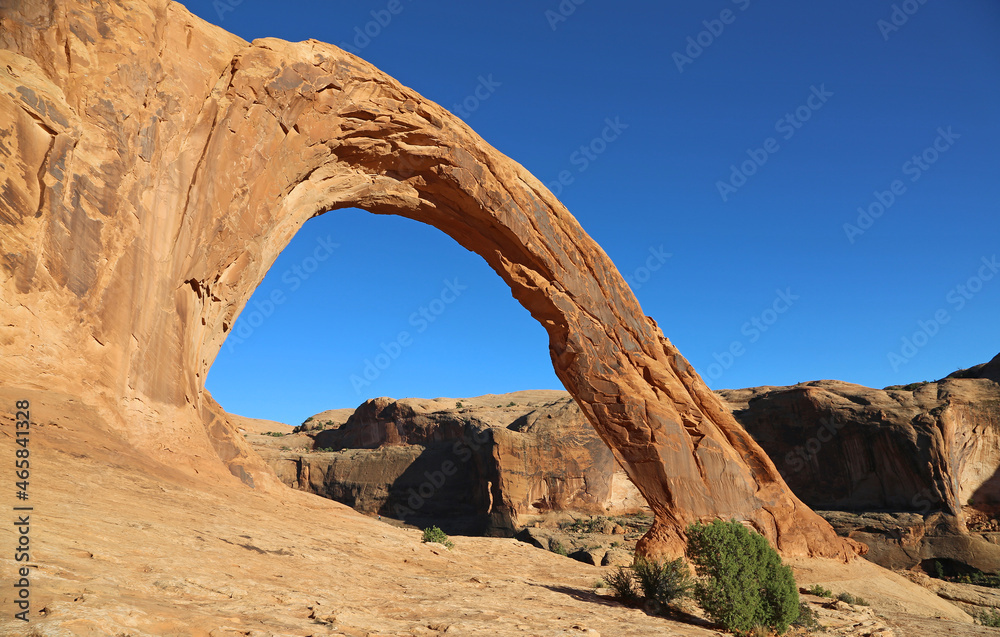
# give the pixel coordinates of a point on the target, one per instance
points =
(360, 306)
(373, 144)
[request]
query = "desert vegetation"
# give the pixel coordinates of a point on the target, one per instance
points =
(434, 534)
(740, 582)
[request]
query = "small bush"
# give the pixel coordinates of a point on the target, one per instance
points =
(556, 547)
(807, 618)
(622, 582)
(819, 591)
(324, 449)
(458, 405)
(938, 569)
(742, 582)
(989, 618)
(600, 584)
(275, 434)
(434, 534)
(512, 404)
(663, 582)
(852, 600)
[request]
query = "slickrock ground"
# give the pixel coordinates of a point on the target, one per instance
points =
(129, 547)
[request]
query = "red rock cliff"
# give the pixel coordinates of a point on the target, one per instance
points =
(154, 167)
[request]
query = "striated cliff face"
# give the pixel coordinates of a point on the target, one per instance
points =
(928, 453)
(154, 166)
(476, 469)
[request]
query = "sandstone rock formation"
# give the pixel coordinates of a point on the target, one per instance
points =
(924, 457)
(154, 166)
(481, 468)
(126, 547)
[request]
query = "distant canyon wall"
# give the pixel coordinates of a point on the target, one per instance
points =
(480, 469)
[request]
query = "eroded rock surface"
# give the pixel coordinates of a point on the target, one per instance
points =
(154, 167)
(480, 468)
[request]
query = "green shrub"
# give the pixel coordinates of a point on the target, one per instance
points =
(989, 617)
(742, 582)
(807, 618)
(622, 582)
(851, 599)
(512, 404)
(978, 578)
(556, 547)
(434, 534)
(458, 405)
(584, 525)
(663, 582)
(276, 434)
(819, 591)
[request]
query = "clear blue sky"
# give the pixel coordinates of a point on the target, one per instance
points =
(865, 98)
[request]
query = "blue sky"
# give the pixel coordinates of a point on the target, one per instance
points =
(741, 153)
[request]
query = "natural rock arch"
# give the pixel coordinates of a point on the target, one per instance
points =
(171, 177)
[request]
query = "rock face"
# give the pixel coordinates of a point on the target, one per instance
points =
(155, 166)
(477, 469)
(929, 453)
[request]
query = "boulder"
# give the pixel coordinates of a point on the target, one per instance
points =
(592, 556)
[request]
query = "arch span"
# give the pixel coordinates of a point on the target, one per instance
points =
(233, 146)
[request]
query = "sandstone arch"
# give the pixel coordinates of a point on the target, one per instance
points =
(157, 185)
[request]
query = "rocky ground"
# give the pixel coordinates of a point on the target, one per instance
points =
(130, 548)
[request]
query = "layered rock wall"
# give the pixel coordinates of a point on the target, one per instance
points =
(921, 458)
(481, 468)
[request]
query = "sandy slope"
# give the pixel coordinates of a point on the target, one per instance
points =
(126, 547)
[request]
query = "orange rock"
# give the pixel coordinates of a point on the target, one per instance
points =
(162, 164)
